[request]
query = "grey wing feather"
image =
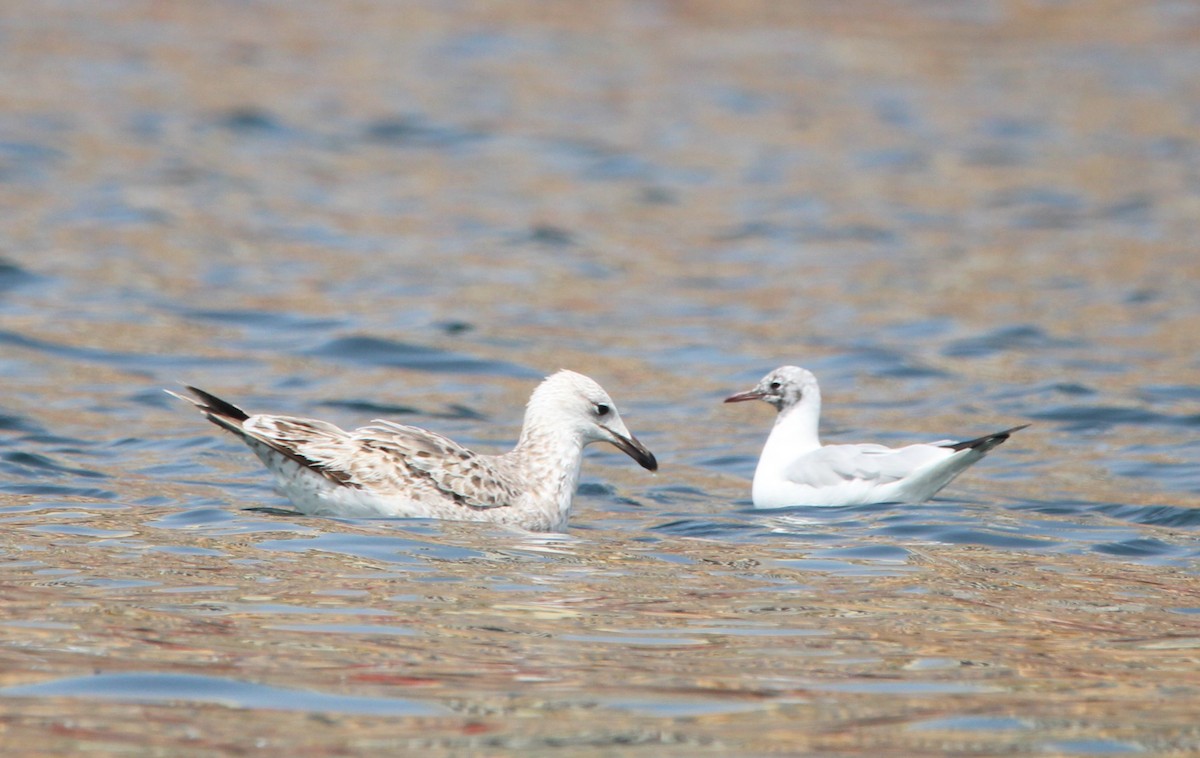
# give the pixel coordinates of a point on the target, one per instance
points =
(834, 464)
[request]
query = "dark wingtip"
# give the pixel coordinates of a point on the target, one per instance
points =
(211, 404)
(987, 441)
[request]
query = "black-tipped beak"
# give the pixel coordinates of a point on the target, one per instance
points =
(635, 450)
(742, 397)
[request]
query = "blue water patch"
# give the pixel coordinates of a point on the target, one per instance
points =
(1041, 208)
(35, 464)
(813, 234)
(418, 131)
(890, 553)
(557, 237)
(904, 688)
(741, 531)
(1011, 128)
(1140, 547)
(283, 609)
(13, 423)
(376, 351)
(741, 465)
(105, 583)
(1091, 747)
(107, 206)
(139, 362)
(988, 537)
(1171, 393)
(876, 360)
(390, 549)
(840, 568)
(251, 120)
(1183, 477)
(167, 689)
(257, 319)
(340, 629)
(1152, 515)
(482, 44)
(671, 494)
(185, 550)
(1134, 210)
(739, 100)
(1021, 337)
(13, 276)
(590, 160)
(219, 521)
(972, 724)
(685, 709)
(377, 409)
(733, 629)
(77, 530)
(634, 640)
(996, 154)
(27, 162)
(1077, 418)
(893, 159)
(57, 491)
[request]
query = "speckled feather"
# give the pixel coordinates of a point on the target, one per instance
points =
(389, 469)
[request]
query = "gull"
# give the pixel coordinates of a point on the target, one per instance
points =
(796, 469)
(392, 470)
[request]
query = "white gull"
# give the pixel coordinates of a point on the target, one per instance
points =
(796, 469)
(389, 469)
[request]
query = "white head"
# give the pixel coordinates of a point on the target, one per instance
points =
(784, 388)
(573, 402)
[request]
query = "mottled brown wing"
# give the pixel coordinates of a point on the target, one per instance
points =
(467, 477)
(317, 445)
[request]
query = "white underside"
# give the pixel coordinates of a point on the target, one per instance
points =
(776, 484)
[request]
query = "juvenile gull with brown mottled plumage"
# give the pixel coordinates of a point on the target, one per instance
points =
(389, 469)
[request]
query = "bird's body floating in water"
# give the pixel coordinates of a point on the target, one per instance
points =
(389, 469)
(796, 469)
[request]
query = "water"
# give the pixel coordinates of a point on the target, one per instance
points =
(962, 218)
(171, 688)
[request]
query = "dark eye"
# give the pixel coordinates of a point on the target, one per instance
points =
(602, 409)
(775, 385)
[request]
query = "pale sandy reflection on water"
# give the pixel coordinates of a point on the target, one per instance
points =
(961, 217)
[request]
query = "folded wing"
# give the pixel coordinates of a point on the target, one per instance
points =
(832, 465)
(468, 478)
(387, 455)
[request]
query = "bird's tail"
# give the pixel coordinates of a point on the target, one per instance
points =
(216, 410)
(986, 442)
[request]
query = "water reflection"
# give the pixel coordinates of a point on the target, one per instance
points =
(414, 212)
(232, 693)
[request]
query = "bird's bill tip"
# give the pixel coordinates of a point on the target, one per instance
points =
(636, 450)
(742, 397)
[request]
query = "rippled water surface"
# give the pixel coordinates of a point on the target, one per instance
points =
(962, 217)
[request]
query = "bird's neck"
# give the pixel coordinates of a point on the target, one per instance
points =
(552, 460)
(795, 431)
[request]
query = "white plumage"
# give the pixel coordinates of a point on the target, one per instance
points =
(796, 469)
